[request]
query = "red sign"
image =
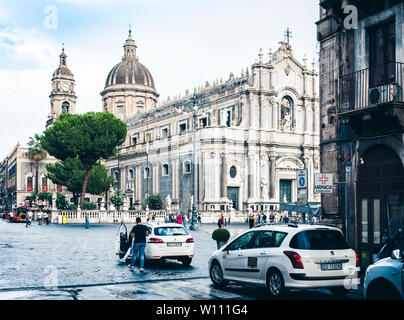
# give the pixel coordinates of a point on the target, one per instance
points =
(45, 188)
(323, 179)
(59, 188)
(27, 203)
(29, 187)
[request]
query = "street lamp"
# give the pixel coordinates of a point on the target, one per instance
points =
(195, 102)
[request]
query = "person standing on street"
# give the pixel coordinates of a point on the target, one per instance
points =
(46, 217)
(139, 233)
(87, 226)
(185, 220)
(179, 219)
(251, 221)
(40, 217)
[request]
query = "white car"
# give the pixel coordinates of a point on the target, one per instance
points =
(165, 241)
(384, 279)
(291, 256)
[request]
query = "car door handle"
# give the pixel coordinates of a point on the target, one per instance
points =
(240, 255)
(263, 253)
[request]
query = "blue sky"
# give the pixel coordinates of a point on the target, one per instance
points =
(183, 43)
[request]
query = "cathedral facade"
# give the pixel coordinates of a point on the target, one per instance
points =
(252, 133)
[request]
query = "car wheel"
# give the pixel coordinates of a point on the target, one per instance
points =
(275, 284)
(339, 292)
(382, 291)
(186, 261)
(216, 274)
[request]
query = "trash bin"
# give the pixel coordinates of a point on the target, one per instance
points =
(64, 220)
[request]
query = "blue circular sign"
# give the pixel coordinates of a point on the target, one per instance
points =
(302, 182)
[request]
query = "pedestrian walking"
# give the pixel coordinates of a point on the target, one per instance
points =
(39, 217)
(87, 225)
(29, 218)
(46, 217)
(139, 233)
(199, 219)
(264, 218)
(251, 221)
(179, 219)
(185, 221)
(166, 218)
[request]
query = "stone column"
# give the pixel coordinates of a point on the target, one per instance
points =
(307, 118)
(223, 176)
(251, 177)
(272, 158)
(139, 182)
(308, 165)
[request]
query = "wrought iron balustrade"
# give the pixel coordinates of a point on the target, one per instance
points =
(371, 87)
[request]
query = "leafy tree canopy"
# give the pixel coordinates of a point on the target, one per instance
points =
(88, 137)
(70, 173)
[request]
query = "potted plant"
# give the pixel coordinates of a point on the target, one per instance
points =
(221, 236)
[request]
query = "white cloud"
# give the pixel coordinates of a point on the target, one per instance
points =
(24, 50)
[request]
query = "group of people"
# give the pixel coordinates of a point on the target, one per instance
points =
(180, 218)
(259, 218)
(41, 216)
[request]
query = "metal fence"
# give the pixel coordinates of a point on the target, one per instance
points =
(371, 87)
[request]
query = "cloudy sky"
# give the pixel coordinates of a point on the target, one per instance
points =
(183, 43)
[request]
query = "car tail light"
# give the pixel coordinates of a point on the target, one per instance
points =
(295, 258)
(357, 259)
(190, 240)
(155, 240)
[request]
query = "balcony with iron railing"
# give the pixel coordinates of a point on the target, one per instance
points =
(371, 87)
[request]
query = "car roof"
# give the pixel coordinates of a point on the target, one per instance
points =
(292, 227)
(164, 225)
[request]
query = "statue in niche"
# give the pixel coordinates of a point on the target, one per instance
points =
(168, 202)
(286, 114)
(264, 188)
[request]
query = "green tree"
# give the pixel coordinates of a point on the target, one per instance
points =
(154, 202)
(90, 137)
(36, 152)
(117, 198)
(45, 196)
(70, 173)
(62, 203)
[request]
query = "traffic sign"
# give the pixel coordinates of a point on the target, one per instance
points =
(323, 182)
(301, 177)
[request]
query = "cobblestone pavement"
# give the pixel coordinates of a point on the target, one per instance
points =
(71, 262)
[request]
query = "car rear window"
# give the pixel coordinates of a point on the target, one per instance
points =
(318, 240)
(170, 231)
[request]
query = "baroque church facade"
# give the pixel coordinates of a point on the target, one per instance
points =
(253, 132)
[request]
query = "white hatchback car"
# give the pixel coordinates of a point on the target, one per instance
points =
(290, 256)
(165, 241)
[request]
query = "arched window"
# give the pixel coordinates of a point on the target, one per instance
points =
(116, 176)
(131, 174)
(65, 107)
(186, 167)
(146, 172)
(165, 170)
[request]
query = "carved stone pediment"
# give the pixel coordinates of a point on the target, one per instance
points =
(289, 163)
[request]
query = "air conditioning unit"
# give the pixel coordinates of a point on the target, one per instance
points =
(383, 94)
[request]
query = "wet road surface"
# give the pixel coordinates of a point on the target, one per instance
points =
(68, 262)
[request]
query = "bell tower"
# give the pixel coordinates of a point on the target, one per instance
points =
(63, 97)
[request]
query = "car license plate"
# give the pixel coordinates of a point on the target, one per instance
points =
(174, 244)
(331, 266)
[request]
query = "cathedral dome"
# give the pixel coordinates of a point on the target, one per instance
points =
(130, 70)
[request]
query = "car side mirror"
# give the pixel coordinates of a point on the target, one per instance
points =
(397, 254)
